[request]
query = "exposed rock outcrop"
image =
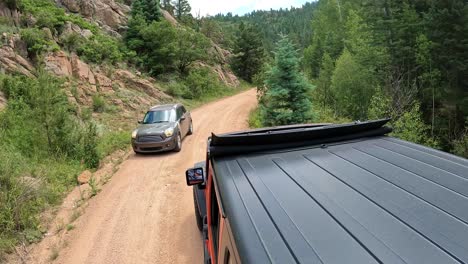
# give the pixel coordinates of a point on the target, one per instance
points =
(70, 28)
(169, 18)
(143, 85)
(106, 12)
(11, 15)
(58, 63)
(11, 56)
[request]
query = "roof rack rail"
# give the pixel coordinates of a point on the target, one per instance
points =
(293, 136)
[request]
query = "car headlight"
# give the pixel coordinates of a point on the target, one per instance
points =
(134, 134)
(169, 132)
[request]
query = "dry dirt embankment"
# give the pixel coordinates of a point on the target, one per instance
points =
(145, 213)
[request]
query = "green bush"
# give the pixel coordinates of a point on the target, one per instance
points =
(411, 127)
(255, 118)
(113, 141)
(42, 147)
(100, 48)
(99, 104)
(49, 15)
(460, 146)
(201, 82)
(37, 41)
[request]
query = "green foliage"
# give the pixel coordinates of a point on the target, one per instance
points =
(201, 82)
(112, 141)
(167, 5)
(352, 87)
(99, 104)
(411, 127)
(460, 146)
(293, 22)
(286, 99)
(100, 48)
(42, 146)
(90, 150)
(49, 15)
(37, 41)
(248, 53)
(182, 9)
(380, 106)
(323, 93)
(255, 118)
(155, 45)
(259, 81)
(148, 9)
(191, 46)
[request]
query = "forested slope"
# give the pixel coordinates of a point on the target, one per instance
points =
(406, 60)
(75, 76)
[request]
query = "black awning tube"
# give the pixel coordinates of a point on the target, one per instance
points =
(226, 150)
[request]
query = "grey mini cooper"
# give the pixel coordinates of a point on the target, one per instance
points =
(162, 129)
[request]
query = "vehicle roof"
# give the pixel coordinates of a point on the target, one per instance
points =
(164, 107)
(368, 200)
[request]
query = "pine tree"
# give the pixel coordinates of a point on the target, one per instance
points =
(149, 9)
(167, 5)
(182, 9)
(248, 53)
(286, 100)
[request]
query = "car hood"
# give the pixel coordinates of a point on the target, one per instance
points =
(154, 129)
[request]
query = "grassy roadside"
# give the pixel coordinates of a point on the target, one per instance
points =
(195, 103)
(34, 177)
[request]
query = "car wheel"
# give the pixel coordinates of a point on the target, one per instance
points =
(178, 146)
(198, 217)
(190, 132)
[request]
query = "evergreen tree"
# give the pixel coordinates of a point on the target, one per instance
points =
(323, 92)
(352, 87)
(248, 53)
(148, 9)
(182, 9)
(286, 100)
(191, 46)
(167, 5)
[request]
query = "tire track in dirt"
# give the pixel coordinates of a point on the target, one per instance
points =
(145, 213)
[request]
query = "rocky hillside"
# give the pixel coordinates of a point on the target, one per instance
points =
(120, 83)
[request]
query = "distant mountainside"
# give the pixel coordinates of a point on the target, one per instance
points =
(294, 22)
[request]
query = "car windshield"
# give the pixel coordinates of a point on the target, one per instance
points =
(160, 116)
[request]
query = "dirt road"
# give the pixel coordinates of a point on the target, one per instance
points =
(145, 213)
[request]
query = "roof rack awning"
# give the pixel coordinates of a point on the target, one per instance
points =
(293, 136)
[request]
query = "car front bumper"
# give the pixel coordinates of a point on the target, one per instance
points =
(154, 147)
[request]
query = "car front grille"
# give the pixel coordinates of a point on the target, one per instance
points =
(150, 139)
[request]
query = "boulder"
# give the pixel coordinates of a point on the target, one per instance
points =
(72, 5)
(104, 83)
(58, 63)
(70, 28)
(131, 81)
(12, 62)
(84, 177)
(107, 12)
(82, 70)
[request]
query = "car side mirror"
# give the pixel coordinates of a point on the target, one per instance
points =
(140, 122)
(195, 176)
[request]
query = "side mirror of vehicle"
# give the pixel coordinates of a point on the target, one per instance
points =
(140, 122)
(195, 176)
